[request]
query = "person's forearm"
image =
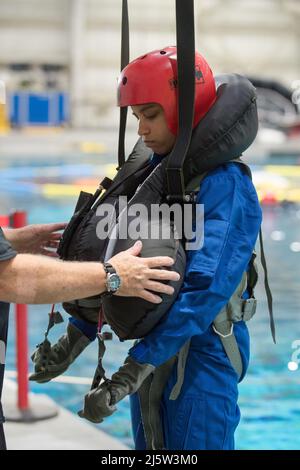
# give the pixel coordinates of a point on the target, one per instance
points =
(35, 279)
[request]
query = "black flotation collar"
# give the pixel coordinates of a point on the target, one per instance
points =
(228, 128)
(222, 135)
(133, 317)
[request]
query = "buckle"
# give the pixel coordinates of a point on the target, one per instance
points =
(182, 198)
(249, 308)
(220, 334)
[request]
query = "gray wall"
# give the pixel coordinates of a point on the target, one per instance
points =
(247, 36)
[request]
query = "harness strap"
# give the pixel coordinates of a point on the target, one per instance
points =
(150, 395)
(229, 342)
(87, 303)
(124, 62)
(185, 40)
(151, 391)
(100, 371)
(252, 275)
(223, 326)
(143, 395)
(194, 184)
(181, 362)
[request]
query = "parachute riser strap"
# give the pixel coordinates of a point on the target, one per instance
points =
(267, 287)
(124, 62)
(185, 33)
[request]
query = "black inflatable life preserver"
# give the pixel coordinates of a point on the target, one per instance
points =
(225, 132)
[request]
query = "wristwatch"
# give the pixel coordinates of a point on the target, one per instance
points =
(113, 280)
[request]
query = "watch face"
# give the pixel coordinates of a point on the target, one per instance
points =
(113, 282)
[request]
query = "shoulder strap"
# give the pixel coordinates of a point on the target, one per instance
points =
(124, 62)
(185, 39)
(194, 184)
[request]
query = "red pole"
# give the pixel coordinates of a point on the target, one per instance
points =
(18, 221)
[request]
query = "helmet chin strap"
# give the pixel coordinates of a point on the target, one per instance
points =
(185, 34)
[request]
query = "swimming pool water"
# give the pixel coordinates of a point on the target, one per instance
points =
(270, 393)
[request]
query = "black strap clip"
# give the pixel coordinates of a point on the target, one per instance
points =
(189, 198)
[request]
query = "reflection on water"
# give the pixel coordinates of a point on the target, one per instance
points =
(269, 395)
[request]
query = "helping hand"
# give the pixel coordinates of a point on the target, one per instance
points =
(139, 275)
(36, 239)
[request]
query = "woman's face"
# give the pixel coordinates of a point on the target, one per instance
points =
(153, 128)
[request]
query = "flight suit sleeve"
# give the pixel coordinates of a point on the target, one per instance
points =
(232, 219)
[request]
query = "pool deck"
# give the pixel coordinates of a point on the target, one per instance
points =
(65, 431)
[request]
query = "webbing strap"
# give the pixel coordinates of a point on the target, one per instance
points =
(150, 395)
(267, 287)
(99, 372)
(143, 394)
(185, 35)
(229, 342)
(181, 362)
(124, 62)
(159, 381)
(223, 326)
(87, 303)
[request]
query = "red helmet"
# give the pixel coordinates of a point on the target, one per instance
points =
(152, 78)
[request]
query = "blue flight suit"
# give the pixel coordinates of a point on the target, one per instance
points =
(205, 414)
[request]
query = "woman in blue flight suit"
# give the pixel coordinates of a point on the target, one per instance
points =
(205, 414)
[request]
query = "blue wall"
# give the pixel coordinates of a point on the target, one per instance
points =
(34, 109)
